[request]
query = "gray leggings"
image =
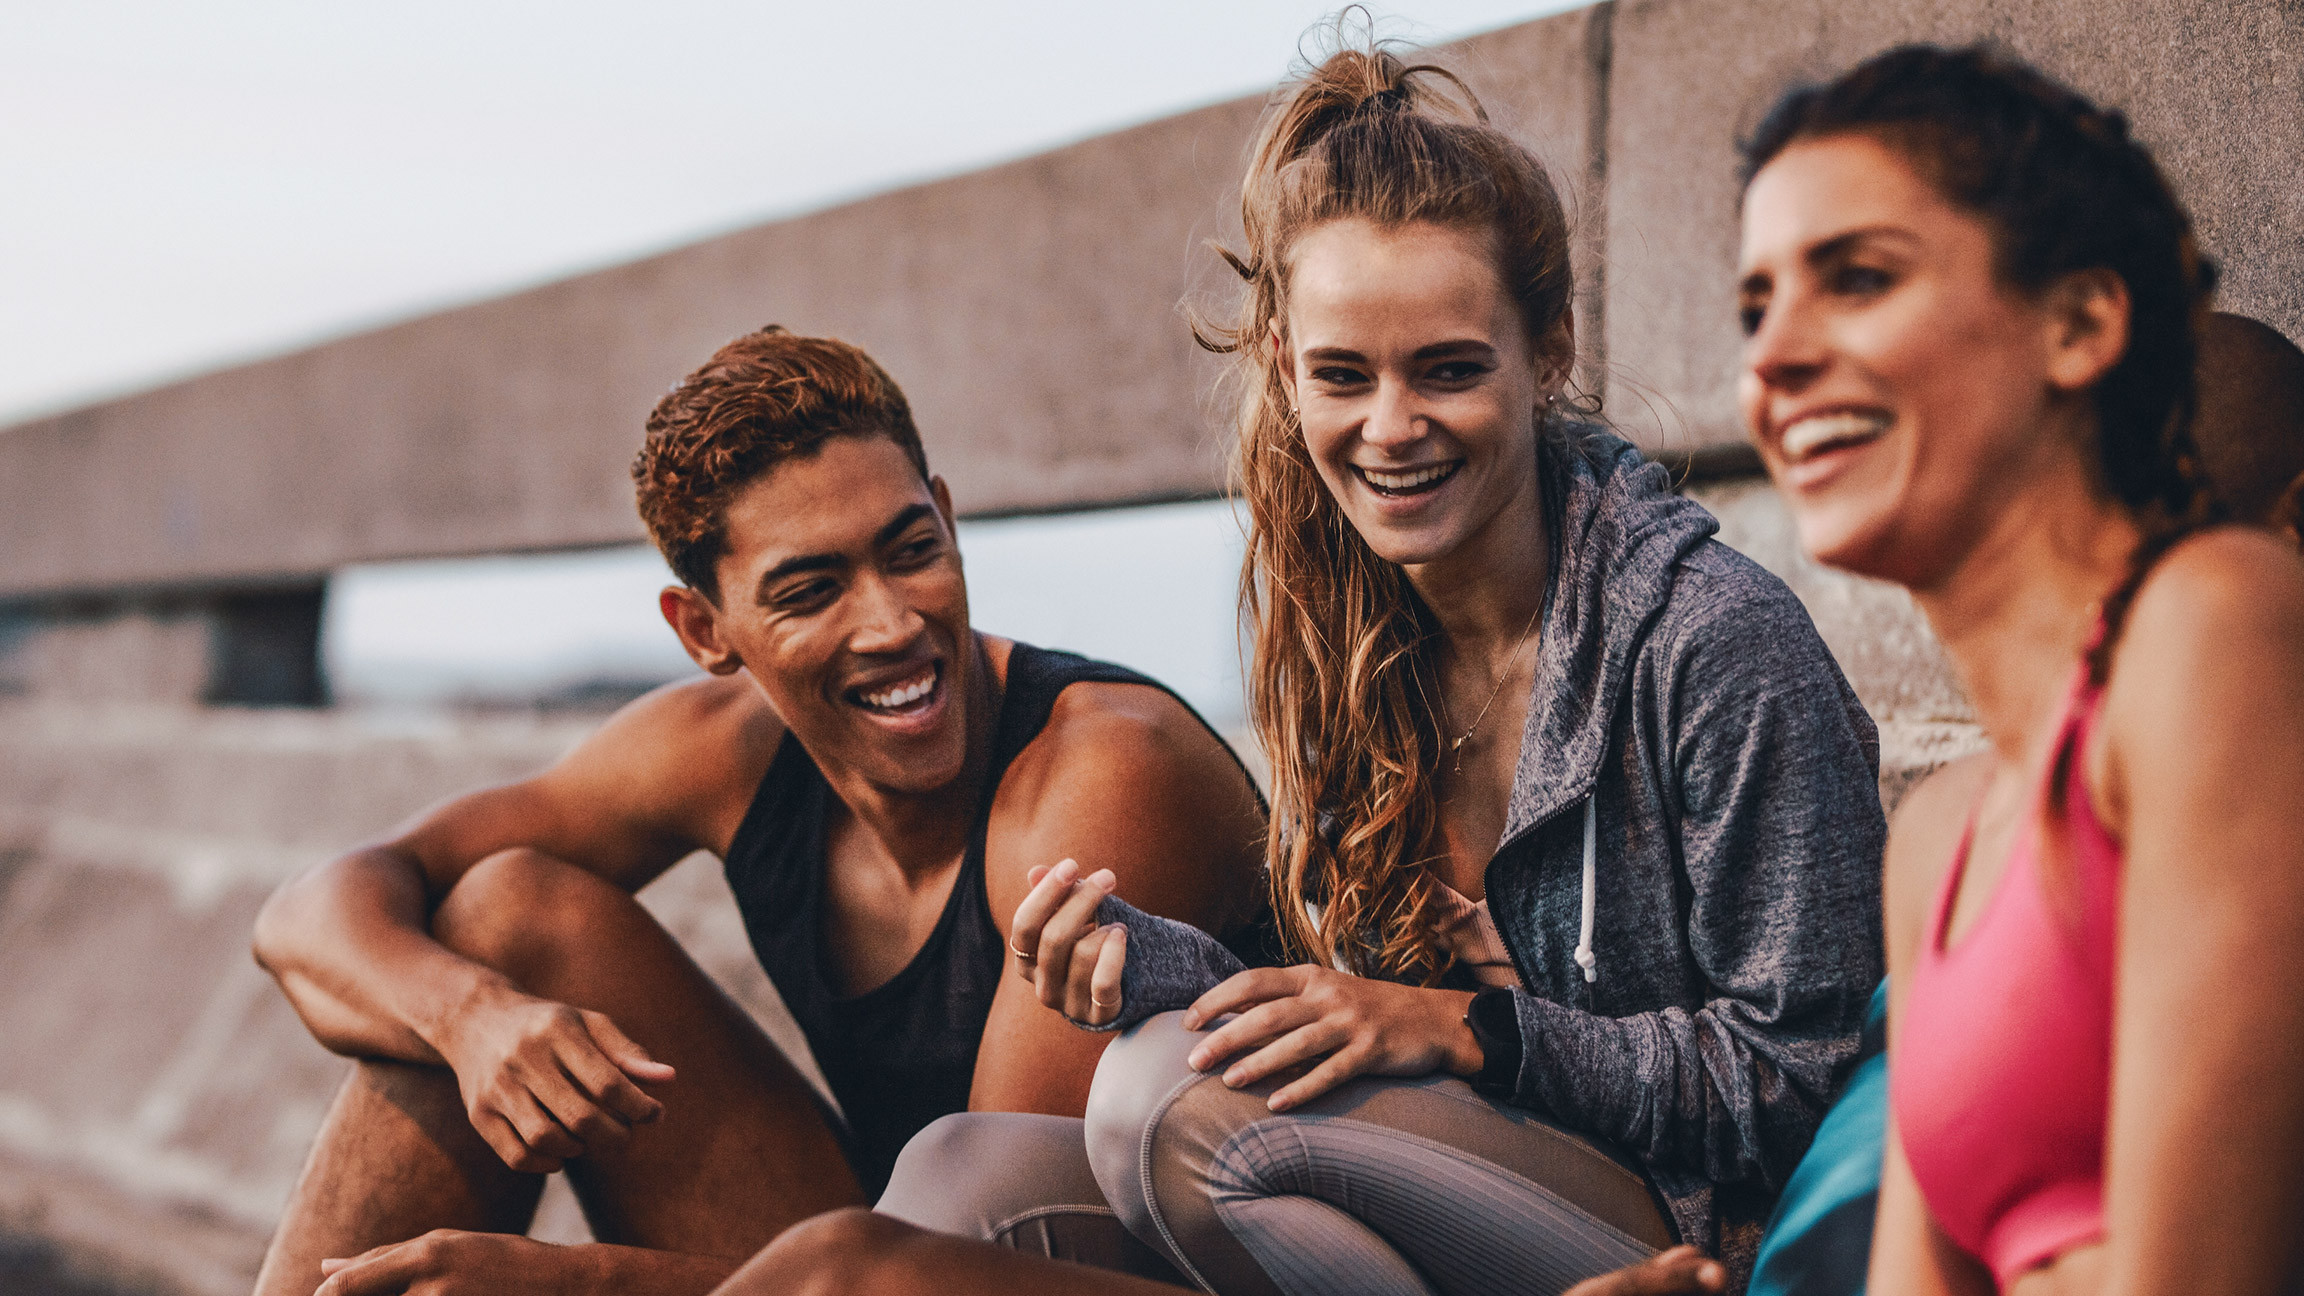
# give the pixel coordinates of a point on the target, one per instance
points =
(1381, 1186)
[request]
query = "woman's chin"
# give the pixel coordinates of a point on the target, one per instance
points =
(1856, 545)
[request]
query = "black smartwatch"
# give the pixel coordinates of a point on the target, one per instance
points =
(1494, 1021)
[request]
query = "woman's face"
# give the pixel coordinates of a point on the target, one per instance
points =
(1416, 382)
(1899, 393)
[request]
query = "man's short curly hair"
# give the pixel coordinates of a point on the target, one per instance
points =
(760, 400)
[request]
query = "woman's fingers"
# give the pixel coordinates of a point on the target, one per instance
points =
(1075, 918)
(1105, 981)
(1092, 986)
(1264, 1022)
(1314, 1037)
(1681, 1271)
(1241, 991)
(1049, 890)
(1340, 1066)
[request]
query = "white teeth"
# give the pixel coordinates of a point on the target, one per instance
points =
(903, 694)
(1812, 435)
(1406, 480)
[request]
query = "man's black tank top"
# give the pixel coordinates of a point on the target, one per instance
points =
(903, 1053)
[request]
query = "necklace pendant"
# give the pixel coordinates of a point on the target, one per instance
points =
(1458, 745)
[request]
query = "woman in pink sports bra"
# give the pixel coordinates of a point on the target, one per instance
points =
(1970, 298)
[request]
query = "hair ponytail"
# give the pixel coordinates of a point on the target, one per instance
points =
(1344, 677)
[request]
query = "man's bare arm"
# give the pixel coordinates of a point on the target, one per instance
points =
(351, 942)
(1122, 779)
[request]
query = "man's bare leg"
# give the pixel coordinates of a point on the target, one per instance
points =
(857, 1253)
(396, 1156)
(742, 1151)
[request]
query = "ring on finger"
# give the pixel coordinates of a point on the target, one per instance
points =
(1026, 955)
(1101, 1003)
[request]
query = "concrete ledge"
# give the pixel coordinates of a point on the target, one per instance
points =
(1030, 310)
(2216, 87)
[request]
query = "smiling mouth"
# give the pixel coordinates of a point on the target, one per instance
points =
(908, 696)
(1822, 433)
(1413, 481)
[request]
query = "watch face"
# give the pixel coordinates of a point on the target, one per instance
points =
(1494, 1021)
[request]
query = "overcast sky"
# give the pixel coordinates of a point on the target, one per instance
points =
(185, 186)
(182, 185)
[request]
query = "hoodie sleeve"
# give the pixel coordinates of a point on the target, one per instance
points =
(1774, 763)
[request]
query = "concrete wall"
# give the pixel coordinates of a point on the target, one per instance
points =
(2216, 87)
(157, 1095)
(1030, 309)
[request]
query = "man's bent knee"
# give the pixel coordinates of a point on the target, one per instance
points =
(839, 1253)
(521, 911)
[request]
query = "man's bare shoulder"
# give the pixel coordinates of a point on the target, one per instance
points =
(693, 746)
(1121, 734)
(1125, 776)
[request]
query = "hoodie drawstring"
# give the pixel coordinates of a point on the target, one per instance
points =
(1585, 958)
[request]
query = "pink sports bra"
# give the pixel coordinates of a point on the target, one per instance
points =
(2003, 1067)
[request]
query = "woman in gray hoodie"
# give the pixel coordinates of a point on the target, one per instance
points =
(1575, 834)
(1569, 799)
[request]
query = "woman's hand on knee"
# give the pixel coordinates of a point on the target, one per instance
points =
(1074, 965)
(545, 1082)
(1339, 1024)
(1681, 1271)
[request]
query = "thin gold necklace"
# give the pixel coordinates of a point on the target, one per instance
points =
(1456, 748)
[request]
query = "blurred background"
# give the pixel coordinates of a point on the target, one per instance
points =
(326, 336)
(192, 187)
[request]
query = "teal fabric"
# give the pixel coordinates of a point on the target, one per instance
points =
(1819, 1241)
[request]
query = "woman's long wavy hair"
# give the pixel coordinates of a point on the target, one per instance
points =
(1344, 684)
(2064, 187)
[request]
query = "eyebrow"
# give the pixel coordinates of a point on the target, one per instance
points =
(1830, 250)
(794, 566)
(1839, 245)
(1454, 346)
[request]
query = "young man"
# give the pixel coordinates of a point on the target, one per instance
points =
(878, 778)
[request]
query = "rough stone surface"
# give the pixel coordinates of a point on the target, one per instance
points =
(2216, 87)
(157, 1095)
(107, 653)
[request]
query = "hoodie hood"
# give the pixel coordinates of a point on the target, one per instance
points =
(1618, 533)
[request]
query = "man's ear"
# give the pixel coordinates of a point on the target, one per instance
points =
(693, 617)
(943, 494)
(2088, 322)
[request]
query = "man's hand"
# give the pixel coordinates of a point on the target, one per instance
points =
(544, 1082)
(1073, 964)
(446, 1262)
(1681, 1270)
(1359, 1026)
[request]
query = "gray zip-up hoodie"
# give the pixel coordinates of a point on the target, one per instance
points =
(1734, 877)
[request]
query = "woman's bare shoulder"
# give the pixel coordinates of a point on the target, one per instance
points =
(2215, 633)
(1922, 837)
